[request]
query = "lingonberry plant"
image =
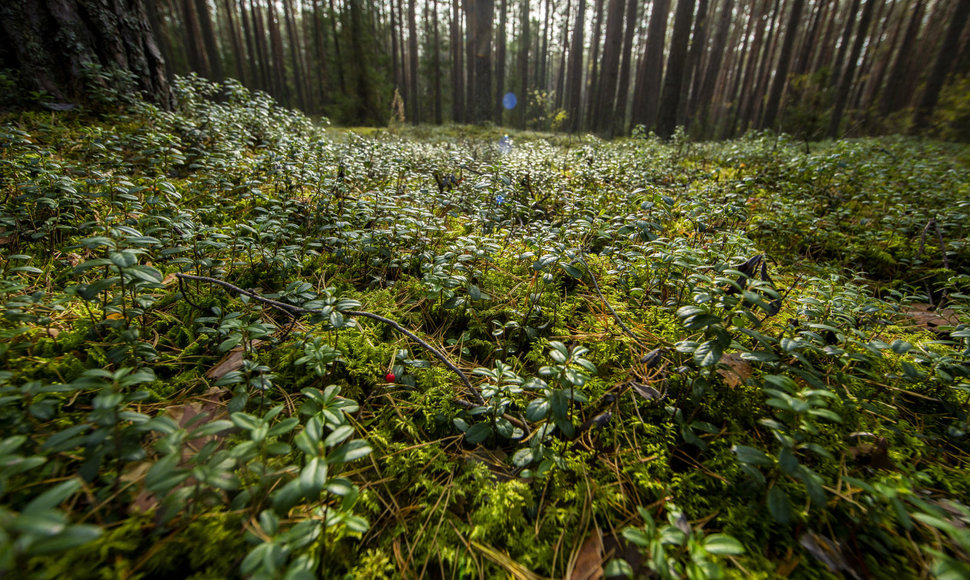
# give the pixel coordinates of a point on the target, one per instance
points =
(237, 343)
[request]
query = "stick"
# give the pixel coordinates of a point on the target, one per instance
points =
(293, 310)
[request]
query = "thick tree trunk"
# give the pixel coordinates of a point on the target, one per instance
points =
(484, 16)
(670, 97)
(609, 74)
(52, 41)
(692, 79)
(945, 58)
(781, 73)
(646, 97)
(209, 41)
(623, 87)
(845, 84)
(457, 68)
(574, 82)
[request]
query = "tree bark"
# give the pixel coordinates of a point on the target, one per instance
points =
(781, 73)
(623, 86)
(524, 38)
(609, 74)
(945, 58)
(646, 97)
(500, 62)
(413, 106)
(669, 98)
(845, 84)
(574, 83)
(209, 41)
(51, 42)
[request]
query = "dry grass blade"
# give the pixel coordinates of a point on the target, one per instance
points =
(589, 561)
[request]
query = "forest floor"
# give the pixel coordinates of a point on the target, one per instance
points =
(237, 344)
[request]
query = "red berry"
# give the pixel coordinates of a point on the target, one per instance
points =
(390, 377)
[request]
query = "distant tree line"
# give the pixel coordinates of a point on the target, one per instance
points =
(716, 67)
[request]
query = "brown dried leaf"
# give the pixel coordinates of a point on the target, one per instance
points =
(589, 562)
(738, 370)
(233, 361)
(926, 317)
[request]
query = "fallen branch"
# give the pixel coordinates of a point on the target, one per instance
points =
(610, 306)
(294, 311)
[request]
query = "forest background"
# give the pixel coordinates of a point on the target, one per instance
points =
(718, 68)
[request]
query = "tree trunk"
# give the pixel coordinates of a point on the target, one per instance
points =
(523, 66)
(209, 41)
(484, 16)
(321, 92)
(282, 90)
(588, 109)
(945, 58)
(781, 73)
(574, 82)
(646, 97)
(669, 98)
(341, 82)
(561, 77)
(500, 62)
(845, 84)
(457, 67)
(238, 53)
(413, 104)
(296, 53)
(609, 74)
(38, 33)
(436, 64)
(701, 99)
(623, 87)
(697, 42)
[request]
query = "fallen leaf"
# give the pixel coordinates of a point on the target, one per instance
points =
(646, 391)
(737, 371)
(927, 317)
(589, 562)
(233, 361)
(169, 278)
(826, 551)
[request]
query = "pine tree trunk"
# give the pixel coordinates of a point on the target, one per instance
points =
(669, 98)
(781, 73)
(213, 56)
(945, 58)
(500, 62)
(413, 105)
(623, 87)
(848, 72)
(523, 66)
(457, 67)
(609, 75)
(574, 75)
(37, 33)
(646, 98)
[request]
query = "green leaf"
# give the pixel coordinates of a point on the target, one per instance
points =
(478, 433)
(708, 353)
(349, 451)
(779, 506)
(750, 455)
(53, 497)
(338, 435)
(723, 544)
(72, 537)
(636, 536)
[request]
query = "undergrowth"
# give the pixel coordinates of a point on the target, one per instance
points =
(740, 359)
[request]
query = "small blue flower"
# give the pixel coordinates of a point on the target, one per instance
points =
(500, 199)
